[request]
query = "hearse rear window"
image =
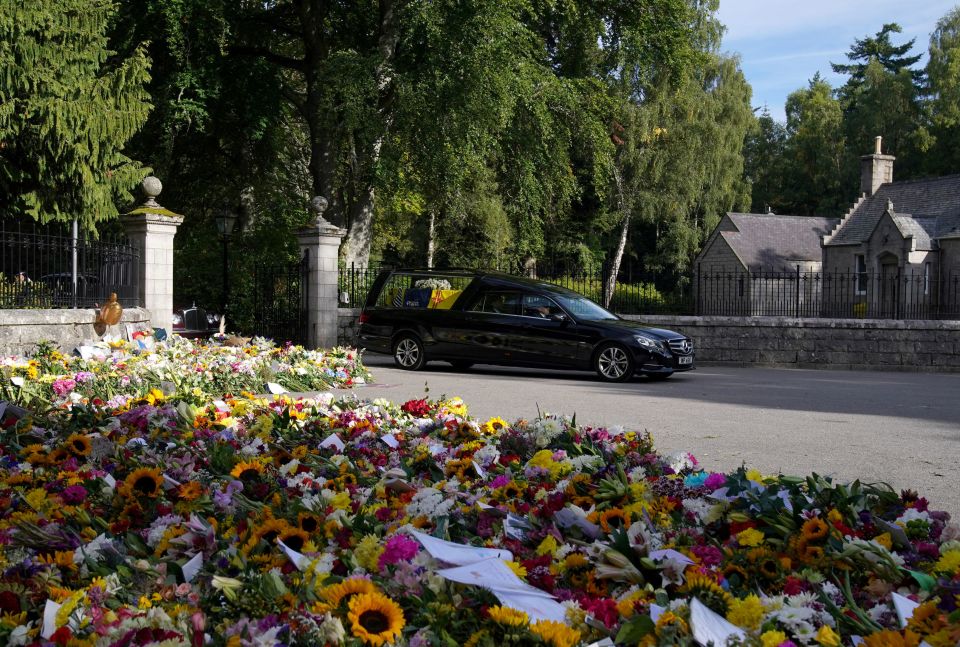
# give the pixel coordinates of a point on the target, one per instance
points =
(411, 290)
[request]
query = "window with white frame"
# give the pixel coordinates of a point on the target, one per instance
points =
(861, 273)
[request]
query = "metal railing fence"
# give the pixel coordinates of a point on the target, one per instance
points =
(57, 266)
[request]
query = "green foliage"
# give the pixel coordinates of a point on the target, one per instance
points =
(943, 106)
(67, 109)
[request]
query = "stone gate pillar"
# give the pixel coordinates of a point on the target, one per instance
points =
(321, 244)
(151, 229)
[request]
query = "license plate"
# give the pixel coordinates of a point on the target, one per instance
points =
(685, 360)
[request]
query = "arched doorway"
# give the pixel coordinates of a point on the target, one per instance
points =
(889, 285)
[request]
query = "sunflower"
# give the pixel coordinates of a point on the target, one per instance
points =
(613, 519)
(494, 426)
(375, 619)
(189, 491)
(708, 591)
(294, 538)
(475, 638)
(926, 619)
(267, 531)
(245, 471)
(891, 638)
(507, 492)
(309, 523)
(58, 455)
(556, 633)
(671, 624)
(352, 586)
(814, 529)
(78, 445)
(509, 617)
(143, 482)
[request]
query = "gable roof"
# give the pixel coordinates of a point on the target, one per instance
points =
(933, 205)
(771, 241)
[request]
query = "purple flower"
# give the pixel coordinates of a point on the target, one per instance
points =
(73, 495)
(84, 376)
(715, 481)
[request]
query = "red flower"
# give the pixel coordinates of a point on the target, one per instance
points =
(419, 408)
(61, 636)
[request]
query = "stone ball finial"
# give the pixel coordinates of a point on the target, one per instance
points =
(318, 205)
(890, 205)
(151, 188)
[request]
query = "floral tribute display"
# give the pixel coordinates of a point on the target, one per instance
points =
(332, 521)
(195, 371)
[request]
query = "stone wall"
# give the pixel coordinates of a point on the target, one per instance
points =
(347, 326)
(864, 344)
(20, 330)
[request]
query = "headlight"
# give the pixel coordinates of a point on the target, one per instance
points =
(176, 320)
(212, 319)
(647, 342)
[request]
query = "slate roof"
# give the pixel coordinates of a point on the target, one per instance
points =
(934, 205)
(771, 241)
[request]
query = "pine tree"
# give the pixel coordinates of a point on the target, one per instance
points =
(66, 111)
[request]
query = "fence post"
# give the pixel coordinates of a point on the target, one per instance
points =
(796, 310)
(151, 229)
(321, 242)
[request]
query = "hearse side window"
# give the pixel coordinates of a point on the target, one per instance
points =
(421, 291)
(503, 303)
(535, 305)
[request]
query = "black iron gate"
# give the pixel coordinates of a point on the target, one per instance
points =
(280, 302)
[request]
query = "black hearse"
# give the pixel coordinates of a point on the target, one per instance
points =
(475, 317)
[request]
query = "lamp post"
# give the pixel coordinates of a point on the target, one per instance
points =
(225, 224)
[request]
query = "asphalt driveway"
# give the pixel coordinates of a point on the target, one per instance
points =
(898, 428)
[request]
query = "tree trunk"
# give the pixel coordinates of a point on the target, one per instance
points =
(356, 246)
(431, 238)
(611, 280)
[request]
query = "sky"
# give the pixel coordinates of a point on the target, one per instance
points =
(783, 43)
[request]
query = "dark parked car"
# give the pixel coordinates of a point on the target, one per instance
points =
(465, 318)
(194, 322)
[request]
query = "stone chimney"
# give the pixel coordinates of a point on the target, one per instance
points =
(875, 169)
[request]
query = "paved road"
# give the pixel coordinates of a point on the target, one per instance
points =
(900, 428)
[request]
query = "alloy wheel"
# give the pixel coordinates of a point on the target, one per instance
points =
(613, 363)
(407, 353)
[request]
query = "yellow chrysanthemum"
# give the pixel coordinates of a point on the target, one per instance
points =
(772, 638)
(755, 475)
(556, 633)
(746, 613)
(509, 617)
(368, 553)
(949, 563)
(750, 537)
(375, 619)
(517, 568)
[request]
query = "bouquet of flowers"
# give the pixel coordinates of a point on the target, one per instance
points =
(326, 521)
(193, 370)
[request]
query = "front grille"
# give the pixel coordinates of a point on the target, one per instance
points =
(677, 346)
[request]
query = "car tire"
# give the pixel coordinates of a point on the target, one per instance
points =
(613, 363)
(659, 377)
(408, 352)
(460, 364)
